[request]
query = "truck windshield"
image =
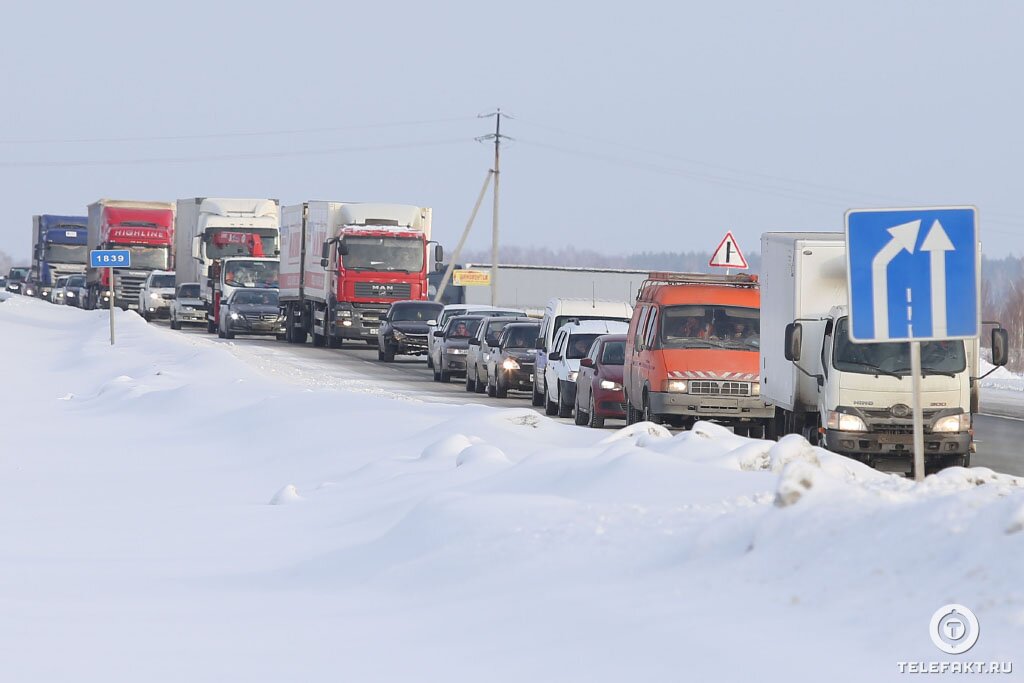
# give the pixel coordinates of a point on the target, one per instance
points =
(697, 326)
(67, 253)
(384, 253)
(238, 242)
(17, 274)
(251, 273)
(415, 312)
(893, 358)
(149, 258)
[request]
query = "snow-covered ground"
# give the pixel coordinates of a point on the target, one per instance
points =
(175, 512)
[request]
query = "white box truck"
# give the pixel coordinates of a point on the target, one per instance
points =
(854, 399)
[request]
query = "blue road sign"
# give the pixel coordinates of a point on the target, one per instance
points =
(110, 258)
(912, 274)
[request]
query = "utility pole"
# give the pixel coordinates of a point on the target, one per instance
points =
(497, 137)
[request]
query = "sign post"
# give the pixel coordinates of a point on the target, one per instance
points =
(109, 259)
(912, 276)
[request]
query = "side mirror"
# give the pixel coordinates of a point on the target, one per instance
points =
(586, 362)
(1000, 347)
(554, 356)
(474, 342)
(438, 333)
(438, 254)
(342, 248)
(325, 251)
(324, 263)
(794, 341)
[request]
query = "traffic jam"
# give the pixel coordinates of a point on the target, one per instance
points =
(789, 351)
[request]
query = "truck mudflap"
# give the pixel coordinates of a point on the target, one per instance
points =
(723, 407)
(870, 446)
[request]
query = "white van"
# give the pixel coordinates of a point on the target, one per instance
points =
(561, 311)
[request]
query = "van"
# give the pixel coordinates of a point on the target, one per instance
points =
(692, 352)
(560, 311)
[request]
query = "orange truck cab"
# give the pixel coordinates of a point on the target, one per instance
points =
(692, 352)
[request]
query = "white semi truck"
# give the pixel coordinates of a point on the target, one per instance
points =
(854, 399)
(211, 229)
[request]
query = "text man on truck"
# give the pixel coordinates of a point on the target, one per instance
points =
(854, 399)
(58, 249)
(344, 264)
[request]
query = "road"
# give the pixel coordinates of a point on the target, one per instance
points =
(999, 430)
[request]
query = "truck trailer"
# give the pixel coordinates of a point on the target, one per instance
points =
(210, 229)
(855, 398)
(58, 248)
(343, 264)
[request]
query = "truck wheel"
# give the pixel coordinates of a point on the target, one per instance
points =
(550, 407)
(631, 413)
(319, 340)
(564, 407)
(592, 419)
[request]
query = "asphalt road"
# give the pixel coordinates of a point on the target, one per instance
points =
(999, 430)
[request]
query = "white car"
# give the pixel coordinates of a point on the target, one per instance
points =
(57, 293)
(187, 307)
(571, 343)
(459, 309)
(156, 294)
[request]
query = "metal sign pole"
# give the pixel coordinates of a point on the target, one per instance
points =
(110, 276)
(915, 388)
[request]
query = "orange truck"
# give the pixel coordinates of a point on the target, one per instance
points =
(692, 352)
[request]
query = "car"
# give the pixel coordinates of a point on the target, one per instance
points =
(58, 291)
(451, 344)
(75, 290)
(405, 328)
(462, 309)
(511, 365)
(481, 346)
(599, 382)
(251, 311)
(156, 294)
(570, 345)
(557, 313)
(187, 307)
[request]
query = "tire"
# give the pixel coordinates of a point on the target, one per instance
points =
(220, 332)
(175, 325)
(499, 391)
(631, 415)
(492, 389)
(228, 334)
(437, 373)
(538, 398)
(550, 407)
(147, 316)
(319, 340)
(480, 385)
(579, 417)
(211, 327)
(470, 384)
(335, 342)
(645, 411)
(386, 355)
(430, 362)
(592, 419)
(564, 408)
(446, 377)
(281, 337)
(369, 342)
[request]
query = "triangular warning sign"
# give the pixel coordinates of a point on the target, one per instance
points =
(728, 254)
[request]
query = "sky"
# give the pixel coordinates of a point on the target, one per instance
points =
(650, 126)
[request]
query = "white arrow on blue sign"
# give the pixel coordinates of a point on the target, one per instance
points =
(913, 274)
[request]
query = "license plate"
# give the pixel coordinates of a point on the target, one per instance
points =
(906, 439)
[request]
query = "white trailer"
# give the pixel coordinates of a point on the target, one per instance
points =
(529, 288)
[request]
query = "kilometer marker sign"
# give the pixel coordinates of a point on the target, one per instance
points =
(728, 254)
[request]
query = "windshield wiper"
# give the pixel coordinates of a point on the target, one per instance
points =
(930, 371)
(871, 366)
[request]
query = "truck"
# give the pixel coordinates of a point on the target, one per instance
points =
(209, 229)
(343, 264)
(144, 228)
(58, 248)
(855, 398)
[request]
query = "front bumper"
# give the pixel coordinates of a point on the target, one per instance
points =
(516, 380)
(253, 326)
(609, 403)
(870, 446)
(455, 365)
(409, 345)
(193, 316)
(357, 321)
(721, 407)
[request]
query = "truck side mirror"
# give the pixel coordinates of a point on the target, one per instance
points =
(1000, 347)
(324, 263)
(342, 248)
(325, 252)
(794, 340)
(438, 254)
(196, 243)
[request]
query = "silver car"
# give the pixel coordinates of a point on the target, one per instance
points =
(187, 307)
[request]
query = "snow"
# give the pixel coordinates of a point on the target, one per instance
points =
(178, 509)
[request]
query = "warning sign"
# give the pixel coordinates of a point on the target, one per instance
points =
(728, 254)
(471, 278)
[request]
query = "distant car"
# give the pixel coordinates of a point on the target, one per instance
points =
(451, 344)
(511, 365)
(462, 309)
(15, 277)
(187, 307)
(404, 330)
(570, 344)
(156, 294)
(75, 290)
(3, 282)
(251, 311)
(57, 293)
(599, 383)
(481, 346)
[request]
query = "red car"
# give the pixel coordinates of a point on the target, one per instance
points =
(599, 383)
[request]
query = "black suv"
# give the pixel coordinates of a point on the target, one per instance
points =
(403, 331)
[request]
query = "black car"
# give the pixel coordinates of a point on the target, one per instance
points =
(453, 345)
(513, 365)
(403, 332)
(251, 311)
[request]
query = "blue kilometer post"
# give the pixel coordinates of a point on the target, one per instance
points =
(110, 259)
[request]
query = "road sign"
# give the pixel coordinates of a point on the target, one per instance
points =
(478, 278)
(912, 274)
(728, 254)
(110, 258)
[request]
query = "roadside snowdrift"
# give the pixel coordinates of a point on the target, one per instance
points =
(175, 512)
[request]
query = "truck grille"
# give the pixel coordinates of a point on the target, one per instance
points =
(713, 387)
(383, 290)
(131, 285)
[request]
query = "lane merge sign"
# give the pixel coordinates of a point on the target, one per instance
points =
(110, 258)
(912, 274)
(728, 254)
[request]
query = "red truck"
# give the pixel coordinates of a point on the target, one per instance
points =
(144, 228)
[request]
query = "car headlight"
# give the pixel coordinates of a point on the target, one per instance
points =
(154, 295)
(29, 292)
(845, 422)
(69, 295)
(953, 423)
(610, 385)
(457, 352)
(572, 375)
(234, 316)
(675, 385)
(510, 364)
(398, 335)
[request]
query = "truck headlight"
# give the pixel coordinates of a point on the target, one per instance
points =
(610, 385)
(953, 423)
(343, 313)
(676, 385)
(755, 389)
(845, 422)
(510, 364)
(572, 375)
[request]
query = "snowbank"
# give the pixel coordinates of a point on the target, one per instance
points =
(172, 512)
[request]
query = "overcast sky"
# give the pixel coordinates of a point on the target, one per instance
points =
(639, 126)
